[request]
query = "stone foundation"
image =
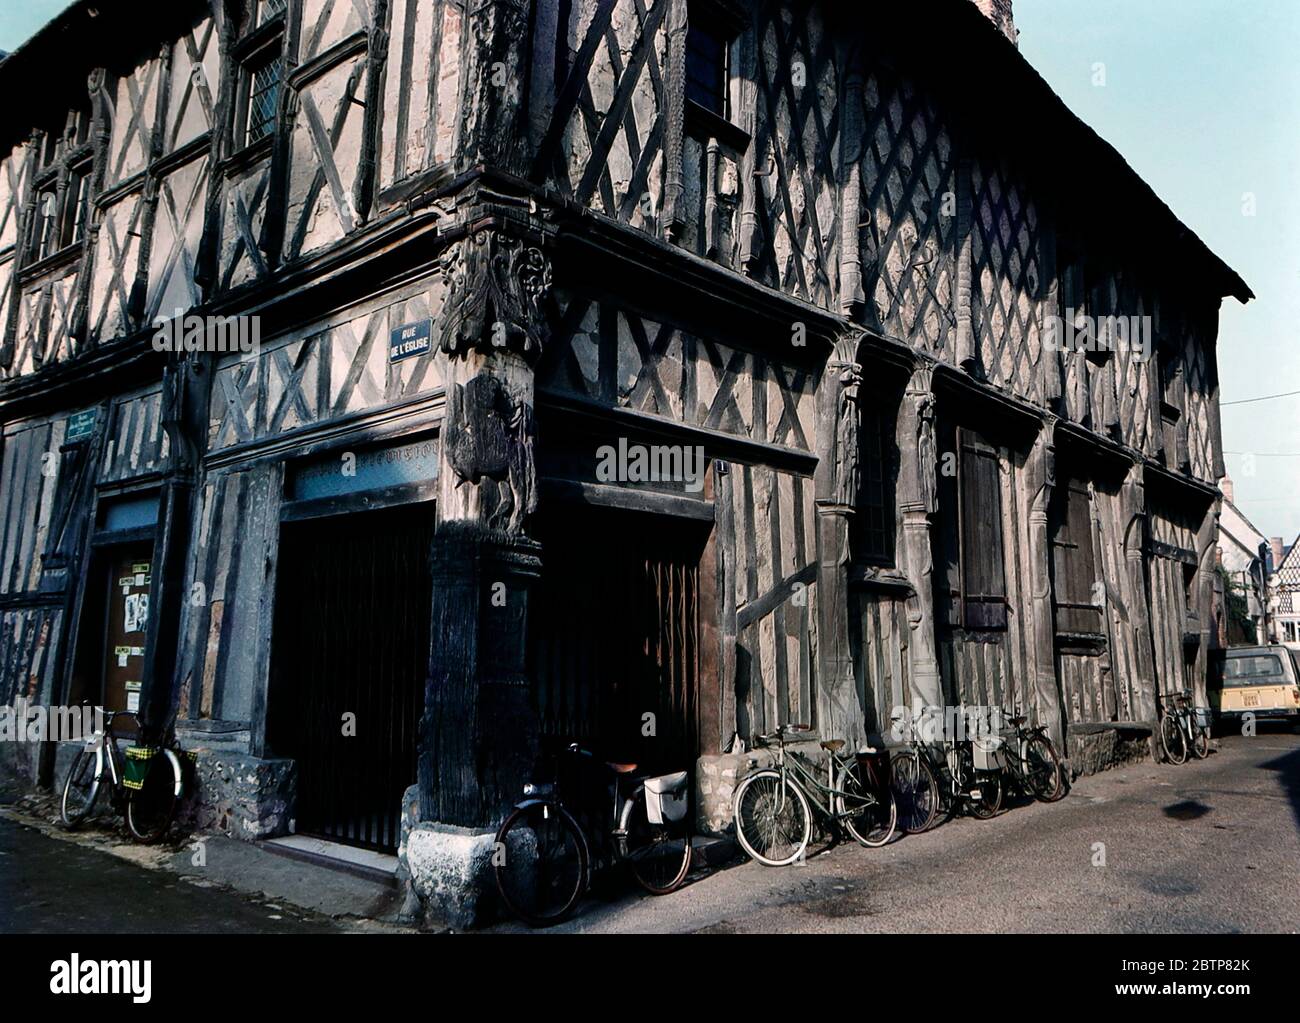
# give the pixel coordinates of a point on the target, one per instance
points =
(716, 778)
(1093, 751)
(242, 796)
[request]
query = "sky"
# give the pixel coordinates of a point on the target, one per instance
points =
(19, 19)
(1202, 97)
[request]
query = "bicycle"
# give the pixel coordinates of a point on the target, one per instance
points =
(1032, 762)
(543, 859)
(142, 788)
(966, 776)
(772, 807)
(1183, 728)
(914, 780)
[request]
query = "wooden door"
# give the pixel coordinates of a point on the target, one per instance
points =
(615, 641)
(129, 581)
(350, 655)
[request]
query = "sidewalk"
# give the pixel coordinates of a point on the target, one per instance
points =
(319, 897)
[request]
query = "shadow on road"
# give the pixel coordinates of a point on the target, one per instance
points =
(1288, 768)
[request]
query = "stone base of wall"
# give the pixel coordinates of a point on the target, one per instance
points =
(19, 763)
(1091, 752)
(446, 871)
(242, 796)
(716, 778)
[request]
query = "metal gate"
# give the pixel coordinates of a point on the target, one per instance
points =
(351, 648)
(616, 644)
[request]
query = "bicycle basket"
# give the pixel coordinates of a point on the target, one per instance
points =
(1203, 717)
(989, 753)
(665, 798)
(138, 761)
(875, 769)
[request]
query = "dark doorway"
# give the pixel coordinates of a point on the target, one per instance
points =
(615, 646)
(109, 664)
(351, 649)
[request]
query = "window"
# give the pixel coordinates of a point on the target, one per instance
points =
(983, 582)
(61, 222)
(261, 71)
(1074, 573)
(875, 511)
(263, 83)
(706, 69)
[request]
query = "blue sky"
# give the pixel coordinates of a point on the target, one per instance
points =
(1202, 98)
(19, 19)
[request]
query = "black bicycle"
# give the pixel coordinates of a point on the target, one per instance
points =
(542, 857)
(145, 783)
(949, 774)
(1031, 762)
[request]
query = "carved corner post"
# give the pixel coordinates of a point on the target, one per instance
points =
(965, 269)
(1134, 517)
(1206, 538)
(187, 380)
(917, 501)
(674, 214)
(1040, 479)
(478, 732)
(838, 417)
(852, 295)
(494, 80)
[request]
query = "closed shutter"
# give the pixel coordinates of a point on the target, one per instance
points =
(1074, 575)
(984, 588)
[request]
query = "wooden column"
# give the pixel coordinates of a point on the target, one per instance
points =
(1040, 479)
(187, 380)
(838, 417)
(478, 732)
(1205, 570)
(1133, 515)
(917, 502)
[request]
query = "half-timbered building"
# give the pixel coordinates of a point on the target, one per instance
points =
(517, 269)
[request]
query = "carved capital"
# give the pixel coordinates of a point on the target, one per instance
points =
(497, 297)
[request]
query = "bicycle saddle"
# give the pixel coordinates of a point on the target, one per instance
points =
(621, 768)
(1018, 720)
(833, 745)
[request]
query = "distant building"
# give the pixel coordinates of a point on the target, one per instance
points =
(1244, 556)
(1284, 587)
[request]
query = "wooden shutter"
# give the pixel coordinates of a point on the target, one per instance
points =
(983, 580)
(1078, 608)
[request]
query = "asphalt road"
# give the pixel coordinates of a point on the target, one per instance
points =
(58, 887)
(1212, 846)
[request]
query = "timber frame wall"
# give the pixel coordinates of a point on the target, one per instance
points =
(869, 227)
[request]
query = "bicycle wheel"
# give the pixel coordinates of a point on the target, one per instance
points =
(1043, 769)
(916, 792)
(1172, 739)
(1200, 744)
(541, 862)
(80, 789)
(988, 785)
(871, 819)
(773, 821)
(659, 855)
(150, 809)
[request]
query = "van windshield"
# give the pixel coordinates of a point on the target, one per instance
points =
(1252, 670)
